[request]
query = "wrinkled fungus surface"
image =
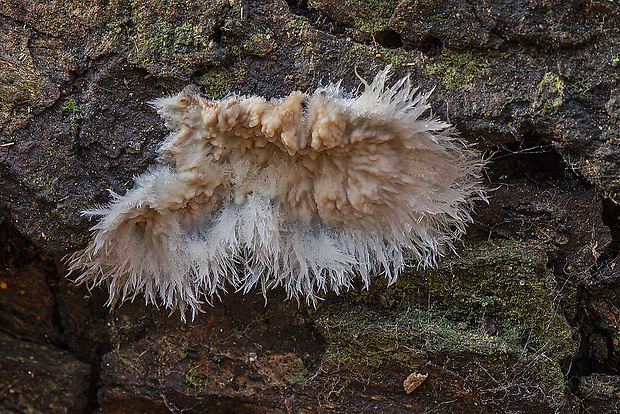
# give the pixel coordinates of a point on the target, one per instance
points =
(305, 192)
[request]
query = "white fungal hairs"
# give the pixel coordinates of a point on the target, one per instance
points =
(305, 192)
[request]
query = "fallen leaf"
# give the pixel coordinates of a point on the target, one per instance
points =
(413, 381)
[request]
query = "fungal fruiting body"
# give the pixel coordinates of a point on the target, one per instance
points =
(307, 192)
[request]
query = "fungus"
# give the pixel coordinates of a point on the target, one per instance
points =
(307, 192)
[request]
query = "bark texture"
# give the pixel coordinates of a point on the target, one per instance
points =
(524, 319)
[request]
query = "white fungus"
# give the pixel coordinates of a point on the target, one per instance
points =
(307, 192)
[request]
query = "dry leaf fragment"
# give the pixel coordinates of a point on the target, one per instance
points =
(413, 381)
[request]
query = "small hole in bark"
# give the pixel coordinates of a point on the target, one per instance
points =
(389, 39)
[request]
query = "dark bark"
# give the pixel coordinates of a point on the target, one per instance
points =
(525, 319)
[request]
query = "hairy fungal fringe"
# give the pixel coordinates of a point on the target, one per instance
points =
(307, 192)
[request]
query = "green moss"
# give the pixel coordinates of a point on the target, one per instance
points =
(312, 52)
(69, 105)
(446, 313)
(297, 372)
(371, 16)
(368, 17)
(599, 386)
(69, 212)
(281, 369)
(506, 280)
(364, 340)
(298, 23)
(114, 36)
(375, 338)
(379, 55)
(161, 40)
(193, 378)
(235, 22)
(220, 81)
(46, 185)
(162, 37)
(259, 44)
(458, 68)
(550, 91)
(371, 59)
(129, 362)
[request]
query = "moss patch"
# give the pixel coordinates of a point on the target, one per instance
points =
(506, 281)
(372, 16)
(220, 81)
(168, 39)
(490, 312)
(458, 68)
(599, 386)
(600, 393)
(368, 17)
(550, 92)
(70, 106)
(259, 44)
(193, 378)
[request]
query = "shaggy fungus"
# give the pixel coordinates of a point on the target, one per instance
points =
(307, 192)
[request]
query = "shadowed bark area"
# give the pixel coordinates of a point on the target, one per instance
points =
(525, 318)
